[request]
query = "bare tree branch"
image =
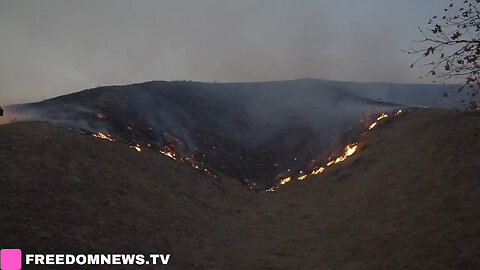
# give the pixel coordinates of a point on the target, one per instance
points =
(450, 46)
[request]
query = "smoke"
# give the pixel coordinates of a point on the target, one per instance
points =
(76, 116)
(250, 131)
(52, 47)
(10, 117)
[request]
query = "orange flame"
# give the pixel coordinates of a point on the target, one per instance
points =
(374, 124)
(349, 150)
(103, 136)
(285, 180)
(169, 153)
(319, 170)
(136, 147)
(382, 116)
(302, 176)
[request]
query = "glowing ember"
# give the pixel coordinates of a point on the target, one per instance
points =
(169, 153)
(302, 176)
(382, 116)
(136, 147)
(319, 170)
(285, 180)
(103, 136)
(172, 140)
(101, 116)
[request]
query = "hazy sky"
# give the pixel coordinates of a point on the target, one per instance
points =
(53, 47)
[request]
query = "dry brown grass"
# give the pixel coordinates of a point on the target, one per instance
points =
(408, 200)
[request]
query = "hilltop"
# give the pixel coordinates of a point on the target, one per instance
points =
(408, 199)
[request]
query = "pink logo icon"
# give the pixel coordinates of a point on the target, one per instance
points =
(11, 259)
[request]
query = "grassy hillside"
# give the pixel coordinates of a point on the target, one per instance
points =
(409, 199)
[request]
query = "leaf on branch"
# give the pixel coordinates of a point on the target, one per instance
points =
(456, 35)
(430, 50)
(438, 29)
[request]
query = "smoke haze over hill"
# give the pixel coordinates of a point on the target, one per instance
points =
(258, 133)
(50, 47)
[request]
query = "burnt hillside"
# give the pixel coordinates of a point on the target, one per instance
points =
(257, 133)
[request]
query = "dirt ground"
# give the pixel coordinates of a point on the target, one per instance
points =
(409, 199)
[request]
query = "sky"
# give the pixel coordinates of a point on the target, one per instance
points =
(54, 47)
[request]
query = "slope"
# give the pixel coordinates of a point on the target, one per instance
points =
(407, 200)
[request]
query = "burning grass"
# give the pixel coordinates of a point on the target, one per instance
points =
(378, 211)
(103, 136)
(166, 151)
(335, 158)
(349, 150)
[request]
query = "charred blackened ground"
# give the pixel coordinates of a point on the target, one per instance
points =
(258, 133)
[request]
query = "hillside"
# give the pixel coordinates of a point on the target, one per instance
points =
(408, 199)
(257, 132)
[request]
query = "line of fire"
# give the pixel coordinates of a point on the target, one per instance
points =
(336, 157)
